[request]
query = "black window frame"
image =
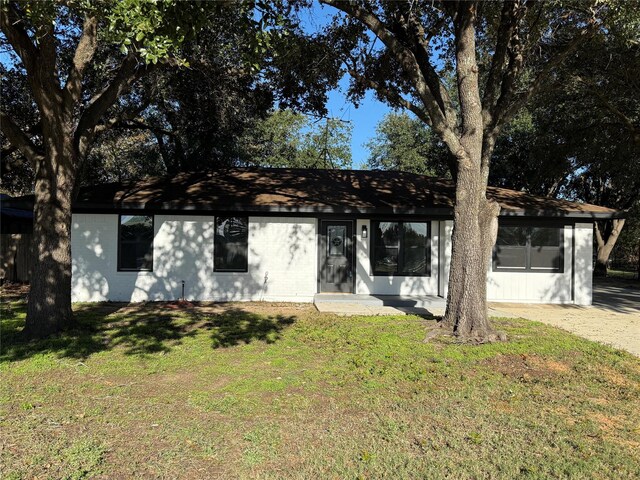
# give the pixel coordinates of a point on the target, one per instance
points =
(399, 273)
(215, 226)
(119, 242)
(528, 249)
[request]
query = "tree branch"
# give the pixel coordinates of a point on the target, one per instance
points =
(599, 239)
(510, 110)
(420, 41)
(139, 124)
(19, 139)
(467, 72)
(393, 97)
(45, 36)
(40, 63)
(605, 103)
(11, 24)
(129, 72)
(407, 60)
(505, 31)
(85, 50)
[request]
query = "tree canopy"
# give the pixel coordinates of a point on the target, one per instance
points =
(289, 139)
(402, 142)
(222, 76)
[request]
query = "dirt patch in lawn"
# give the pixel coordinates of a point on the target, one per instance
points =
(526, 366)
(612, 428)
(614, 377)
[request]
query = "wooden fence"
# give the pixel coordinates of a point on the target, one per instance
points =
(16, 252)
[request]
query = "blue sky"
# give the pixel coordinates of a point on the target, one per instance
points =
(363, 119)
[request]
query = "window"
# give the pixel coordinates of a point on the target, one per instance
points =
(401, 248)
(337, 235)
(231, 244)
(135, 243)
(531, 249)
(512, 245)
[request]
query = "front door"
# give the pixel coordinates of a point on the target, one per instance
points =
(336, 256)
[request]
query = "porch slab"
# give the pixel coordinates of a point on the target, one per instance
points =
(352, 304)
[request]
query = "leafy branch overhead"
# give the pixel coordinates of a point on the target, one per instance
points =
(223, 72)
(411, 49)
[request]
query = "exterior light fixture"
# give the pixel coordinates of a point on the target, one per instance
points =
(364, 231)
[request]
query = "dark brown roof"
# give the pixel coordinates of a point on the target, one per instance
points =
(312, 191)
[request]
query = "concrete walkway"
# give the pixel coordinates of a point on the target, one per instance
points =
(614, 318)
(349, 304)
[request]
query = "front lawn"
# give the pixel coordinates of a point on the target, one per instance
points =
(281, 391)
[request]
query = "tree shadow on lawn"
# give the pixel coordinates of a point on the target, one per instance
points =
(140, 330)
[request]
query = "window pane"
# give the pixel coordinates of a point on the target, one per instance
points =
(547, 258)
(415, 248)
(386, 260)
(387, 242)
(231, 243)
(545, 237)
(136, 242)
(136, 227)
(512, 236)
(336, 240)
(388, 234)
(510, 257)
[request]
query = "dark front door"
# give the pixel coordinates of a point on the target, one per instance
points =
(336, 256)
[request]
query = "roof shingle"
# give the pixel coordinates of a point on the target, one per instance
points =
(321, 191)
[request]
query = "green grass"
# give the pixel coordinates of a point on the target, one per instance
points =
(622, 274)
(282, 391)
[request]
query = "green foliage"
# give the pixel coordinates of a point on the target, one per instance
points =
(154, 30)
(120, 156)
(528, 156)
(238, 59)
(289, 139)
(404, 143)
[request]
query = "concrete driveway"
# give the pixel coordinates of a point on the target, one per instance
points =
(614, 317)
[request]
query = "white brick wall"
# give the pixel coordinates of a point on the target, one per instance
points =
(538, 287)
(283, 264)
(282, 261)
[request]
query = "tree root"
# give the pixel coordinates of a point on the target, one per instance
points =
(491, 337)
(445, 329)
(442, 328)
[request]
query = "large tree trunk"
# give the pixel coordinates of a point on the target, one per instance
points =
(475, 217)
(475, 225)
(49, 306)
(606, 241)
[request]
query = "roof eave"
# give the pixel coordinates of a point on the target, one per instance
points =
(562, 214)
(333, 209)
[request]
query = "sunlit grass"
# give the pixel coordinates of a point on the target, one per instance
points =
(281, 391)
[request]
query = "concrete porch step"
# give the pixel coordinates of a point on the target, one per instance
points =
(398, 301)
